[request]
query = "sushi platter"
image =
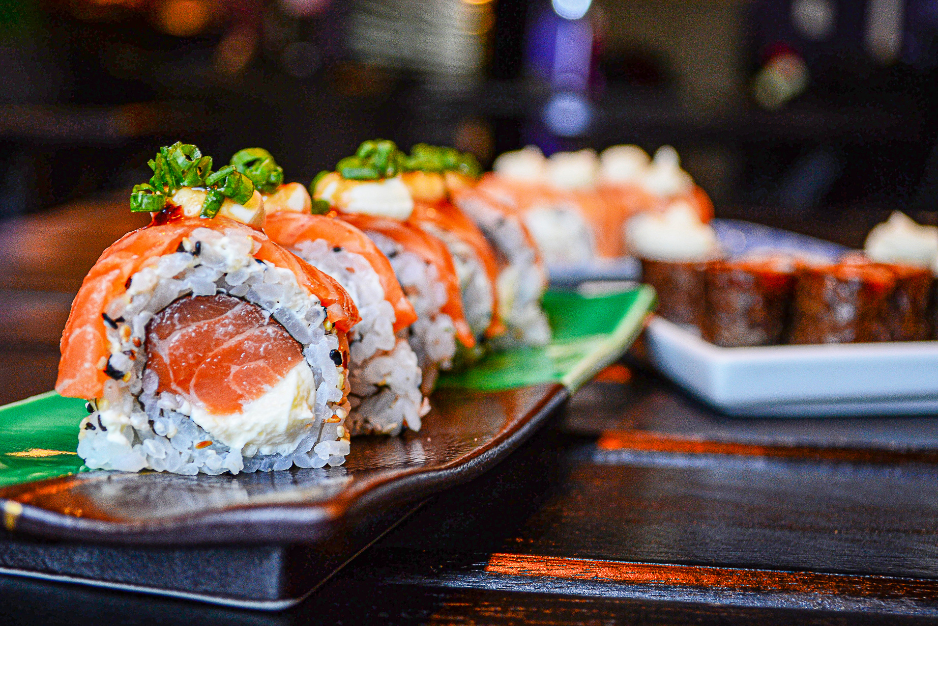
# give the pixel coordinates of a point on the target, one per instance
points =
(266, 539)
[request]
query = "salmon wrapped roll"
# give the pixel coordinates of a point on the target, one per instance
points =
(530, 184)
(384, 375)
(522, 279)
(368, 192)
(202, 346)
(474, 257)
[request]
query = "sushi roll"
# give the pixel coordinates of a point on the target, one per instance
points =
(522, 279)
(632, 183)
(384, 375)
(368, 192)
(673, 248)
(905, 309)
(556, 221)
(901, 241)
(202, 346)
(746, 301)
(846, 302)
(474, 257)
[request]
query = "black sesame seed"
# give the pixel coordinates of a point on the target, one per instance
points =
(89, 407)
(337, 249)
(112, 372)
(258, 260)
(198, 249)
(392, 253)
(101, 425)
(127, 283)
(181, 248)
(89, 426)
(108, 320)
(337, 357)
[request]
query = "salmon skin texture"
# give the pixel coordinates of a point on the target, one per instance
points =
(290, 228)
(84, 341)
(451, 219)
(428, 247)
(219, 351)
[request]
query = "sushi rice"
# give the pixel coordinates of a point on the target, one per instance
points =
(384, 375)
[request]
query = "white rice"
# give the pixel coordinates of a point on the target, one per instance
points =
(476, 292)
(133, 428)
(433, 335)
(562, 233)
(384, 375)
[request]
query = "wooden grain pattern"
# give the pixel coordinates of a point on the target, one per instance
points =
(647, 441)
(807, 584)
(648, 402)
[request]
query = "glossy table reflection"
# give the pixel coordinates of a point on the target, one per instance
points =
(638, 505)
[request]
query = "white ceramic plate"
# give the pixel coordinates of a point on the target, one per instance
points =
(799, 380)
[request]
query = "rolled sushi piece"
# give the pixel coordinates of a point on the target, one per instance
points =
(384, 375)
(202, 346)
(368, 192)
(673, 248)
(845, 302)
(474, 257)
(522, 279)
(747, 300)
(524, 180)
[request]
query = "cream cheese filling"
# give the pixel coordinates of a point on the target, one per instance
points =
(273, 423)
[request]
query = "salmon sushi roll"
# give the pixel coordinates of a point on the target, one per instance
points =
(474, 257)
(384, 375)
(202, 346)
(367, 191)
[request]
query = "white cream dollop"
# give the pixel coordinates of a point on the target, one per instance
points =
(527, 164)
(273, 423)
(902, 240)
(674, 235)
(251, 213)
(573, 171)
(624, 164)
(664, 176)
(383, 198)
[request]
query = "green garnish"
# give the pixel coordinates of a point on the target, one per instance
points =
(374, 159)
(319, 206)
(181, 166)
(432, 158)
(259, 166)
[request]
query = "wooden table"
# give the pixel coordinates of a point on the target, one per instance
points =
(638, 505)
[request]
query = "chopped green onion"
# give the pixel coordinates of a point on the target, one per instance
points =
(374, 159)
(319, 206)
(145, 199)
(212, 204)
(238, 187)
(181, 165)
(359, 173)
(259, 166)
(213, 179)
(316, 180)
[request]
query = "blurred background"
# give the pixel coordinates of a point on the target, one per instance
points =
(792, 105)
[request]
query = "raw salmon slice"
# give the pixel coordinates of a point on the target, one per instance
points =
(219, 352)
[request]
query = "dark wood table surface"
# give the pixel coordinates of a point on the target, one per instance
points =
(638, 505)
